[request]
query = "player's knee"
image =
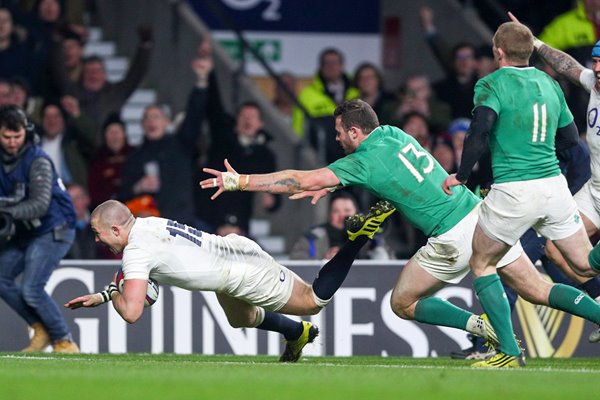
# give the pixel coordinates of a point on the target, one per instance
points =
(400, 308)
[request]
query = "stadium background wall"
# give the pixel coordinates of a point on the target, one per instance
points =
(358, 321)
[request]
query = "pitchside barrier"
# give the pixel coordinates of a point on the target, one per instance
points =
(359, 320)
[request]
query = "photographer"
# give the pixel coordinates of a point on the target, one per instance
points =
(44, 222)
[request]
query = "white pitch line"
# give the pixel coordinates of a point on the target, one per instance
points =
(385, 366)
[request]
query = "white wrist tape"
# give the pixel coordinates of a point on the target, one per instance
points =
(231, 181)
(537, 43)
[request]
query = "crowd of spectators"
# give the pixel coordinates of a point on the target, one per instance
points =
(76, 110)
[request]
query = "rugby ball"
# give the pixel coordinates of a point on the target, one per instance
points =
(151, 292)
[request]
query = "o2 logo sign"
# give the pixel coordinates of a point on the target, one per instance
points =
(271, 13)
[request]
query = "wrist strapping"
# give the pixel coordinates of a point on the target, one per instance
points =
(245, 185)
(537, 43)
(105, 296)
(231, 181)
(112, 288)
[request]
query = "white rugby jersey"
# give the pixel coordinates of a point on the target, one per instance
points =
(179, 255)
(588, 81)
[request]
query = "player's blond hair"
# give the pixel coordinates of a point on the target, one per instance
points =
(112, 212)
(516, 40)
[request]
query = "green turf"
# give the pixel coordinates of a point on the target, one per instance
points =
(144, 376)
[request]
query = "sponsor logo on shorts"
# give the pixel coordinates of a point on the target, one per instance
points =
(282, 276)
(578, 299)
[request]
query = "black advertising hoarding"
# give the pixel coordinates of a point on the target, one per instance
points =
(359, 320)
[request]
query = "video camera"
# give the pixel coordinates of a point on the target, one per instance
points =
(7, 223)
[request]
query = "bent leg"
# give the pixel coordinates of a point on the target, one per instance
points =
(410, 300)
(243, 315)
(42, 256)
(575, 249)
(531, 286)
(486, 254)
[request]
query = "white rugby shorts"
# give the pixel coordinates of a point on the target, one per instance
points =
(256, 278)
(546, 205)
(446, 257)
(588, 202)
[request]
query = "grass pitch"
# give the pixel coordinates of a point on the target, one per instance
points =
(167, 376)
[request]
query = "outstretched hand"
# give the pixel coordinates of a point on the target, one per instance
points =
(449, 182)
(315, 194)
(217, 180)
(89, 300)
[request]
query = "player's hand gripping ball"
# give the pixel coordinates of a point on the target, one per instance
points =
(151, 292)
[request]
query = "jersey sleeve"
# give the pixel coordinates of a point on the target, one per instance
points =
(136, 263)
(350, 170)
(587, 79)
(486, 96)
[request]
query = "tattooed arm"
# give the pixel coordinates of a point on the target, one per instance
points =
(560, 61)
(293, 181)
(287, 181)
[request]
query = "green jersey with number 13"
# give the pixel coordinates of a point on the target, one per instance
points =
(530, 106)
(393, 166)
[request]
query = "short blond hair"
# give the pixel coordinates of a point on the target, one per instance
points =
(516, 40)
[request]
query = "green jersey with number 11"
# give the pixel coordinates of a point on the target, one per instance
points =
(393, 166)
(530, 106)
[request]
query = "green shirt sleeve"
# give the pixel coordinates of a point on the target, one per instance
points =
(350, 170)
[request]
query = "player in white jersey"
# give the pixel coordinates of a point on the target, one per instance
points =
(588, 197)
(253, 289)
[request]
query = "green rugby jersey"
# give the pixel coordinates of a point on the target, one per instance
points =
(530, 107)
(393, 166)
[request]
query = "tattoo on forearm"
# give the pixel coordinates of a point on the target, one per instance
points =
(561, 62)
(290, 183)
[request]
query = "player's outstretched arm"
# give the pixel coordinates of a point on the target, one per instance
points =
(287, 181)
(89, 300)
(560, 61)
(130, 303)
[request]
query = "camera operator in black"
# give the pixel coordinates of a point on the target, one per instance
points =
(44, 218)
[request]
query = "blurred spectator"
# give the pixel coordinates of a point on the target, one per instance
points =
(324, 241)
(484, 57)
(416, 125)
(444, 154)
(282, 100)
(369, 81)
(68, 140)
(417, 96)
(245, 143)
(143, 206)
(20, 92)
(6, 97)
(457, 131)
(72, 50)
(458, 88)
(84, 246)
(105, 168)
(162, 166)
(575, 32)
(98, 97)
(330, 86)
(15, 57)
(230, 224)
